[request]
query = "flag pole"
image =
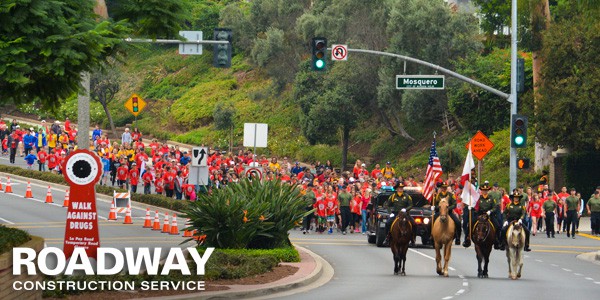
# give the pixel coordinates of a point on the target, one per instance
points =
(470, 202)
(432, 203)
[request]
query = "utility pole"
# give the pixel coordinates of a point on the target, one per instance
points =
(513, 91)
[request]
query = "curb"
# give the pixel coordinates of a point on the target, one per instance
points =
(321, 274)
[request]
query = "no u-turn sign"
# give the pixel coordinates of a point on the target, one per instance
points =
(339, 52)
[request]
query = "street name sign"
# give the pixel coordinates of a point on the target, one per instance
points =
(420, 82)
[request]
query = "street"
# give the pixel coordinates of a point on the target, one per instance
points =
(363, 271)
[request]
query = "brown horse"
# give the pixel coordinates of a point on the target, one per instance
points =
(483, 236)
(401, 232)
(515, 242)
(443, 236)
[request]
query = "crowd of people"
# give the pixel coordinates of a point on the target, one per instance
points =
(340, 199)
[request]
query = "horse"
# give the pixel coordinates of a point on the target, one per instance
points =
(443, 236)
(515, 242)
(483, 236)
(401, 232)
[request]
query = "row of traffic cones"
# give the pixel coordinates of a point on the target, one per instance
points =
(29, 193)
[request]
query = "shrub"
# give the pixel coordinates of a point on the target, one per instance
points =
(250, 214)
(11, 237)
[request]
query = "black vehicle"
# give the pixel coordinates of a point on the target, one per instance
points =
(378, 216)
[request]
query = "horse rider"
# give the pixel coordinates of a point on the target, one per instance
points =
(399, 202)
(444, 194)
(487, 205)
(514, 211)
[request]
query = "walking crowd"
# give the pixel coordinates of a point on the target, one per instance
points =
(339, 199)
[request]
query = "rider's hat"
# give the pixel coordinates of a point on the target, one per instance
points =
(516, 195)
(444, 184)
(485, 187)
(399, 184)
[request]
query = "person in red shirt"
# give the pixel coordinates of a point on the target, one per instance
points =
(505, 199)
(159, 185)
(147, 178)
(169, 179)
(535, 211)
(321, 212)
(154, 145)
(136, 135)
(42, 157)
(52, 161)
(140, 156)
(5, 145)
(122, 174)
(59, 159)
(140, 145)
(134, 177)
(72, 136)
(67, 124)
(332, 208)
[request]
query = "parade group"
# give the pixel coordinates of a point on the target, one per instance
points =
(339, 199)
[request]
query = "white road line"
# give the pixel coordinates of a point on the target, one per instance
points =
(6, 221)
(538, 260)
(577, 274)
(460, 292)
(554, 265)
(448, 298)
(465, 284)
(588, 278)
(567, 270)
(432, 258)
(597, 282)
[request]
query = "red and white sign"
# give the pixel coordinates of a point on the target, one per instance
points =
(339, 52)
(82, 170)
(254, 173)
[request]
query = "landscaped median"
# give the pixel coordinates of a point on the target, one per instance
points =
(10, 238)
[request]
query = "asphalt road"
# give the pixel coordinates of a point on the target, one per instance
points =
(363, 271)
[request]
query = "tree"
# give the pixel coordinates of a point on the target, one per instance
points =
(104, 85)
(428, 31)
(151, 18)
(46, 44)
(567, 110)
(223, 119)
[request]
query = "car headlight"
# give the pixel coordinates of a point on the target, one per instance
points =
(426, 221)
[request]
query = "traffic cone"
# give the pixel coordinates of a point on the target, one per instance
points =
(156, 224)
(8, 188)
(186, 232)
(112, 215)
(0, 184)
(148, 221)
(174, 228)
(49, 196)
(128, 219)
(166, 226)
(67, 201)
(28, 193)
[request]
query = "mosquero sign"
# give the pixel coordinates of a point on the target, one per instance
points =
(480, 145)
(135, 104)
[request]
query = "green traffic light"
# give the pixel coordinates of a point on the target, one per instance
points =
(519, 140)
(319, 64)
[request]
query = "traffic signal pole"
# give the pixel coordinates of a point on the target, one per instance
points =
(513, 92)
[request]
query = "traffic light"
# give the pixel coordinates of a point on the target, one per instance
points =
(134, 104)
(222, 52)
(518, 131)
(523, 163)
(318, 50)
(520, 75)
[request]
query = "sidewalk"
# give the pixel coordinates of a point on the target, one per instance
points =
(313, 271)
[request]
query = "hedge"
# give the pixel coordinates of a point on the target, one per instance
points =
(11, 237)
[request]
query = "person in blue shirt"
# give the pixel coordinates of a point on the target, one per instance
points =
(30, 159)
(96, 134)
(29, 140)
(296, 169)
(185, 159)
(105, 169)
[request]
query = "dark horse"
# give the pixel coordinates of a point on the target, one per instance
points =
(401, 233)
(483, 236)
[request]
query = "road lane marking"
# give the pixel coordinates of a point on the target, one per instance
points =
(577, 274)
(567, 247)
(336, 244)
(566, 270)
(558, 251)
(6, 221)
(460, 292)
(554, 265)
(430, 257)
(538, 260)
(589, 236)
(588, 278)
(60, 226)
(465, 284)
(448, 298)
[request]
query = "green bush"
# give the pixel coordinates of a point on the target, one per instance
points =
(11, 237)
(250, 214)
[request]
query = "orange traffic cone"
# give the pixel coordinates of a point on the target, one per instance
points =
(67, 201)
(148, 221)
(156, 224)
(112, 215)
(0, 184)
(49, 196)
(8, 188)
(186, 232)
(166, 227)
(128, 219)
(174, 228)
(28, 193)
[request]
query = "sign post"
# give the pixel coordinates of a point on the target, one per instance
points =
(255, 135)
(480, 146)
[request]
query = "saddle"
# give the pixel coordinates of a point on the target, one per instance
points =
(396, 220)
(489, 221)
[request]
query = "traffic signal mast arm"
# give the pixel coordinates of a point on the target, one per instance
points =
(437, 68)
(162, 41)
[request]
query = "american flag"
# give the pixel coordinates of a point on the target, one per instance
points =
(434, 171)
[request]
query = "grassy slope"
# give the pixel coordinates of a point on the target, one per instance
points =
(182, 92)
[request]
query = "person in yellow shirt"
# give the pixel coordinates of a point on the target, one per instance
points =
(274, 165)
(388, 172)
(52, 139)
